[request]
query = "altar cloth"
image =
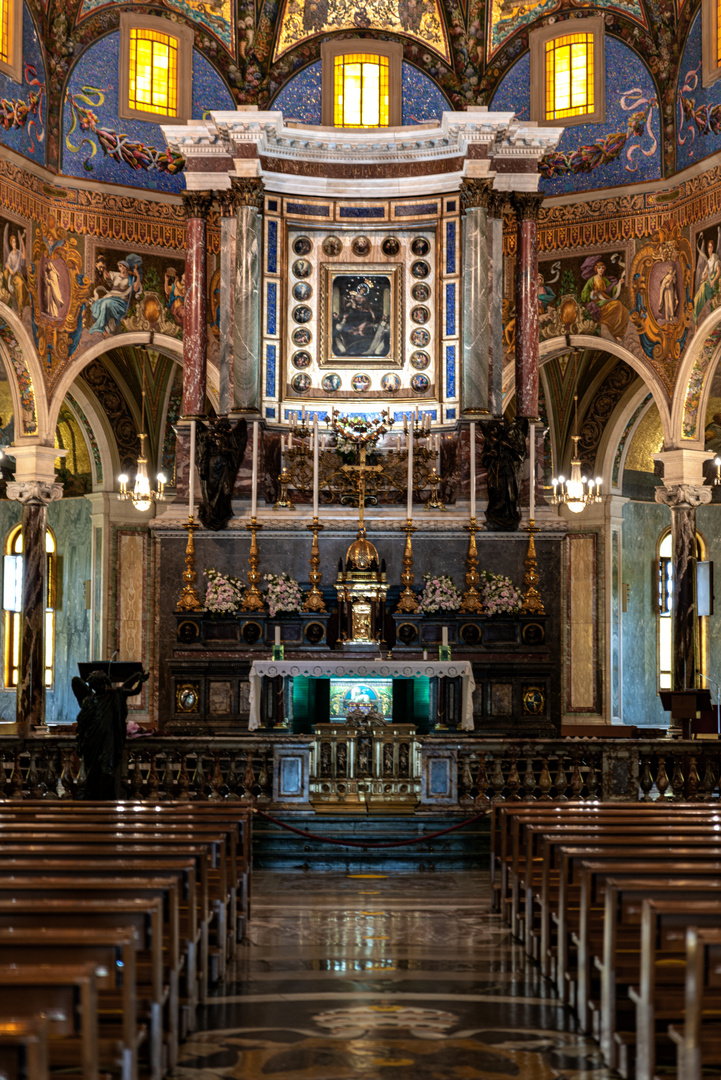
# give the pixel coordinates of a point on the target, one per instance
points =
(365, 669)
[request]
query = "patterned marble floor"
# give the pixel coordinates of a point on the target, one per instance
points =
(381, 977)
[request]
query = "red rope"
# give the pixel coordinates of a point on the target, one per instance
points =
(365, 844)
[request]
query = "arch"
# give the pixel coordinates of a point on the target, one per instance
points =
(620, 433)
(693, 382)
(24, 375)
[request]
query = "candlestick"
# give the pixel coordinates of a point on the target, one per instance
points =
(471, 602)
(191, 473)
(315, 467)
(532, 473)
(434, 503)
(408, 601)
(284, 501)
(189, 599)
(473, 471)
(532, 603)
(254, 478)
(409, 498)
(252, 599)
(314, 597)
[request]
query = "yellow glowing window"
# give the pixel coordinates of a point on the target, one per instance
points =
(12, 606)
(360, 91)
(569, 76)
(6, 30)
(153, 72)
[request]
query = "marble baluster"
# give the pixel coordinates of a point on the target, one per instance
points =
(197, 206)
(247, 360)
(496, 207)
(228, 243)
(475, 196)
(527, 205)
(683, 500)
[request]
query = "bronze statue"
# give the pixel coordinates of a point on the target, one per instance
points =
(503, 453)
(101, 730)
(220, 452)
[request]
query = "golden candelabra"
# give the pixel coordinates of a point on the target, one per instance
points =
(284, 502)
(532, 603)
(434, 503)
(252, 599)
(314, 597)
(408, 601)
(189, 599)
(471, 604)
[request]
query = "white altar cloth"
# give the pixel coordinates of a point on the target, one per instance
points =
(364, 669)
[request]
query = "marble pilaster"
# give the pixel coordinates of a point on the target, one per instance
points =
(494, 227)
(475, 196)
(527, 206)
(247, 361)
(683, 499)
(197, 205)
(228, 242)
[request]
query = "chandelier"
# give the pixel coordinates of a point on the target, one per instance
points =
(578, 491)
(141, 493)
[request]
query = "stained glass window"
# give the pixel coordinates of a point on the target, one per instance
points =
(360, 90)
(569, 76)
(153, 72)
(6, 30)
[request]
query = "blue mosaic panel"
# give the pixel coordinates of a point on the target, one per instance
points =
(270, 372)
(217, 17)
(272, 247)
(27, 138)
(310, 415)
(450, 247)
(362, 211)
(272, 204)
(451, 206)
(450, 373)
(416, 210)
(94, 85)
(271, 307)
(698, 109)
(450, 414)
(423, 101)
(308, 209)
(299, 99)
(629, 91)
(410, 413)
(270, 413)
(450, 309)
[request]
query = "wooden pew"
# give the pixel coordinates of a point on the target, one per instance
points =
(698, 1039)
(24, 1048)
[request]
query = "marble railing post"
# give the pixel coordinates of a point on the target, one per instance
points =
(197, 206)
(496, 206)
(475, 197)
(247, 361)
(683, 500)
(527, 205)
(228, 242)
(34, 496)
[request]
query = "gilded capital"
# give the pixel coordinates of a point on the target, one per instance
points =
(526, 204)
(498, 204)
(476, 191)
(684, 496)
(226, 201)
(197, 204)
(247, 191)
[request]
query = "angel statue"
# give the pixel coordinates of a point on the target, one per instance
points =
(220, 451)
(708, 272)
(101, 729)
(13, 275)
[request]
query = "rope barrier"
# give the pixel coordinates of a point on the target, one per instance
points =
(365, 844)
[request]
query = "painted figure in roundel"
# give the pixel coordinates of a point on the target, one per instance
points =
(53, 300)
(708, 273)
(600, 295)
(668, 294)
(13, 276)
(123, 287)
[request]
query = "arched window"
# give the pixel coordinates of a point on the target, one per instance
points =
(665, 611)
(156, 62)
(11, 33)
(567, 72)
(13, 604)
(361, 87)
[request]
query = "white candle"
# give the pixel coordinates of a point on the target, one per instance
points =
(191, 471)
(532, 472)
(290, 440)
(315, 467)
(473, 469)
(277, 635)
(445, 635)
(254, 478)
(409, 508)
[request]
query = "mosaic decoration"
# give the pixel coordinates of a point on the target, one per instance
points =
(136, 290)
(421, 19)
(707, 276)
(422, 101)
(508, 16)
(23, 107)
(695, 385)
(26, 390)
(699, 107)
(661, 273)
(217, 16)
(13, 277)
(174, 411)
(622, 441)
(85, 423)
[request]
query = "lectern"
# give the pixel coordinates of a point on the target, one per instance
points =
(685, 706)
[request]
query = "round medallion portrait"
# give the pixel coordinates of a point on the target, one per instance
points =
(419, 269)
(360, 383)
(302, 268)
(302, 291)
(420, 292)
(300, 382)
(390, 246)
(420, 338)
(420, 360)
(302, 245)
(331, 382)
(302, 336)
(420, 315)
(420, 383)
(302, 314)
(361, 246)
(390, 383)
(420, 246)
(332, 246)
(302, 359)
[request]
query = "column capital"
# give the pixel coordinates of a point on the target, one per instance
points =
(498, 203)
(248, 191)
(526, 204)
(34, 491)
(197, 204)
(683, 496)
(476, 192)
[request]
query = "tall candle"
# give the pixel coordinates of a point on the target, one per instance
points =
(532, 471)
(191, 472)
(409, 509)
(277, 635)
(473, 469)
(315, 467)
(445, 636)
(254, 479)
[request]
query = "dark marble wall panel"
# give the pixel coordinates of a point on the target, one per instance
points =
(70, 521)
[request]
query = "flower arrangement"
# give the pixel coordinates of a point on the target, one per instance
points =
(499, 595)
(223, 594)
(284, 594)
(439, 594)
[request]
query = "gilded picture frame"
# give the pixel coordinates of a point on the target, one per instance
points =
(361, 315)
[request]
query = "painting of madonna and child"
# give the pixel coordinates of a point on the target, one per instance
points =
(362, 314)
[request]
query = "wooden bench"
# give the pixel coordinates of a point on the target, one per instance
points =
(24, 1048)
(698, 1039)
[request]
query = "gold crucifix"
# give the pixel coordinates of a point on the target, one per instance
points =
(362, 470)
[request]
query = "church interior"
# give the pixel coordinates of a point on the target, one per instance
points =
(291, 293)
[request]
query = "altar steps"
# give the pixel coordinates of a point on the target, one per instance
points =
(274, 848)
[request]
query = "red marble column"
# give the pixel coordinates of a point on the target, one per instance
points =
(197, 206)
(527, 206)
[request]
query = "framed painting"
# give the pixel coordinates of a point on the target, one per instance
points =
(361, 316)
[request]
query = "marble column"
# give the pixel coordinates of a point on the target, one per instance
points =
(197, 206)
(247, 360)
(527, 205)
(34, 497)
(228, 241)
(475, 195)
(683, 500)
(496, 206)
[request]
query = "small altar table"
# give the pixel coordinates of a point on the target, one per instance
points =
(364, 669)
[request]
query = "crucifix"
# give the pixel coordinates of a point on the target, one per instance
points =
(361, 472)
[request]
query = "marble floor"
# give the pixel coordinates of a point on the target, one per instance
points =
(379, 977)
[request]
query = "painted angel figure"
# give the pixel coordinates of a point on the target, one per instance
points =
(14, 268)
(708, 272)
(123, 287)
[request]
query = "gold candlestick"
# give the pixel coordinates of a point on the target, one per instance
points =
(314, 597)
(471, 602)
(252, 599)
(408, 602)
(189, 599)
(434, 503)
(284, 502)
(532, 603)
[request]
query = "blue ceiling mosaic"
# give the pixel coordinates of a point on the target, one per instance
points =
(23, 105)
(698, 113)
